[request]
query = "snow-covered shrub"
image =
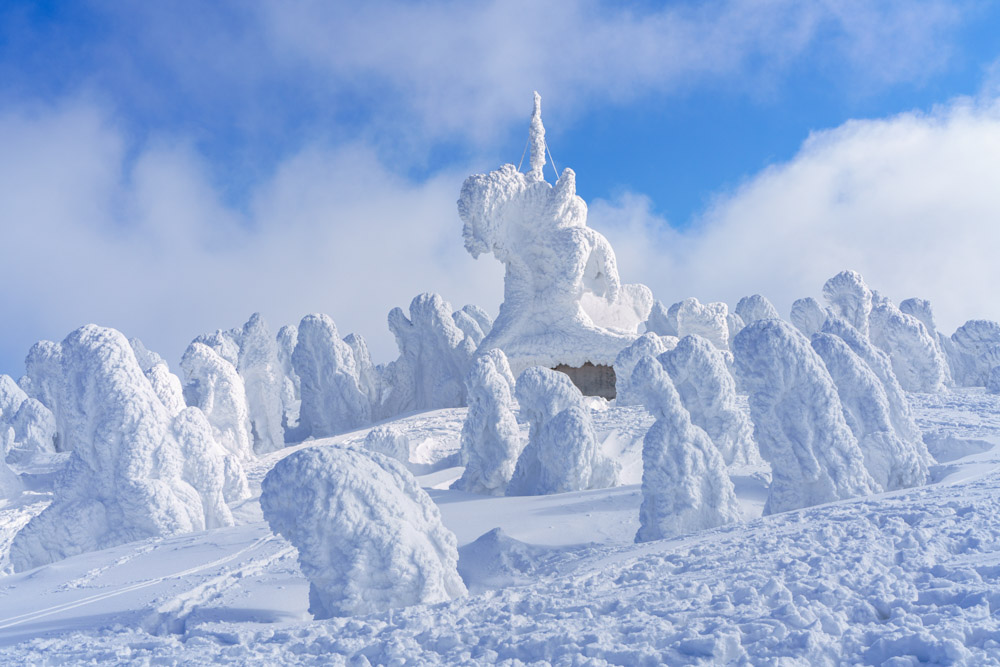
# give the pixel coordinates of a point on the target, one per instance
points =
(562, 452)
(708, 393)
(917, 360)
(491, 439)
(134, 472)
(332, 398)
(798, 419)
(756, 307)
(263, 381)
(389, 441)
(434, 357)
(807, 315)
(707, 320)
(685, 486)
(892, 462)
(975, 351)
(646, 345)
(850, 298)
(475, 322)
(662, 320)
(369, 538)
(213, 385)
(288, 336)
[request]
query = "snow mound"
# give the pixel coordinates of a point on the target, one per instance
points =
(332, 398)
(707, 391)
(892, 462)
(798, 419)
(807, 316)
(213, 385)
(710, 321)
(563, 300)
(685, 486)
(975, 352)
(368, 537)
(491, 439)
(756, 307)
(850, 298)
(647, 345)
(562, 453)
(263, 381)
(389, 441)
(496, 560)
(134, 472)
(917, 360)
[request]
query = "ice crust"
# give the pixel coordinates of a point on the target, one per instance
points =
(798, 419)
(685, 486)
(368, 537)
(649, 344)
(562, 453)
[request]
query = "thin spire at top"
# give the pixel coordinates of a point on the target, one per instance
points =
(536, 139)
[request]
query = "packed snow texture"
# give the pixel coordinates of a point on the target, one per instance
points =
(849, 297)
(708, 393)
(368, 537)
(562, 453)
(214, 386)
(917, 360)
(647, 345)
(807, 315)
(491, 439)
(389, 441)
(756, 307)
(134, 472)
(563, 300)
(685, 487)
(263, 381)
(709, 320)
(892, 462)
(798, 420)
(975, 351)
(332, 398)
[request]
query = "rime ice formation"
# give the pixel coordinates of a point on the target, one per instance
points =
(562, 453)
(166, 385)
(808, 316)
(975, 351)
(474, 322)
(42, 373)
(389, 441)
(434, 358)
(756, 307)
(735, 324)
(491, 439)
(263, 381)
(288, 336)
(369, 380)
(922, 310)
(34, 430)
(11, 398)
(368, 537)
(646, 345)
(685, 486)
(332, 398)
(134, 472)
(850, 298)
(563, 300)
(798, 420)
(226, 344)
(213, 385)
(709, 320)
(10, 481)
(707, 391)
(917, 360)
(662, 320)
(892, 462)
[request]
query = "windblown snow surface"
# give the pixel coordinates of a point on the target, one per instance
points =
(898, 578)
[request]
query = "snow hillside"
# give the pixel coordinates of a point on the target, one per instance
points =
(909, 573)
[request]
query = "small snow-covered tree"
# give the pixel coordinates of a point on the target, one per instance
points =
(807, 315)
(491, 439)
(662, 320)
(917, 360)
(850, 298)
(974, 352)
(389, 441)
(368, 537)
(647, 345)
(288, 336)
(562, 453)
(213, 385)
(798, 419)
(475, 322)
(263, 381)
(756, 307)
(32, 425)
(891, 461)
(709, 320)
(685, 486)
(923, 311)
(708, 392)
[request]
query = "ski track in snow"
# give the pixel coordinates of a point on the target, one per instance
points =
(912, 573)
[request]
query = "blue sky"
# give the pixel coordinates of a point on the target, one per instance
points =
(171, 167)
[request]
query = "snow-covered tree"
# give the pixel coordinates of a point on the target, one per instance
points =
(213, 385)
(850, 298)
(807, 315)
(917, 360)
(10, 481)
(368, 537)
(491, 439)
(974, 352)
(708, 392)
(287, 337)
(662, 320)
(735, 324)
(562, 453)
(263, 381)
(798, 420)
(647, 345)
(475, 322)
(756, 307)
(923, 311)
(709, 320)
(31, 424)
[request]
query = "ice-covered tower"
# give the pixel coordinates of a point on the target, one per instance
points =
(564, 304)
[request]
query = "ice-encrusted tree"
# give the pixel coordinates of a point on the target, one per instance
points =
(32, 424)
(10, 481)
(389, 441)
(368, 537)
(647, 345)
(369, 380)
(491, 439)
(42, 373)
(798, 420)
(287, 337)
(923, 311)
(166, 385)
(263, 381)
(708, 392)
(735, 324)
(993, 381)
(134, 471)
(807, 315)
(225, 342)
(562, 453)
(917, 360)
(850, 298)
(892, 462)
(332, 398)
(475, 322)
(975, 351)
(708, 320)
(756, 307)
(685, 486)
(662, 320)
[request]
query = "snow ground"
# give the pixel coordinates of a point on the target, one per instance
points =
(900, 578)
